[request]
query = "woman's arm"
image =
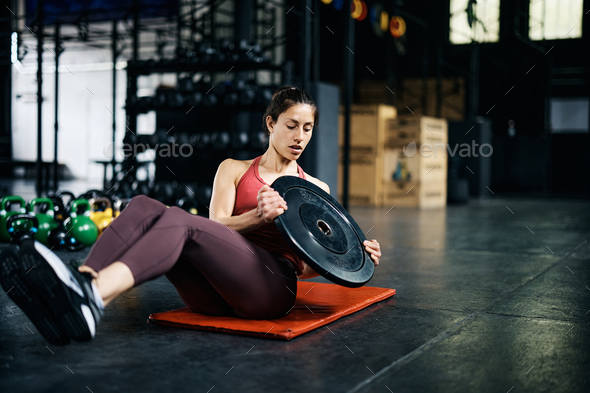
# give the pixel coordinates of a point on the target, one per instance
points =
(308, 272)
(223, 198)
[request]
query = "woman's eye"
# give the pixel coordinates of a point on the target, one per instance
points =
(291, 127)
(308, 129)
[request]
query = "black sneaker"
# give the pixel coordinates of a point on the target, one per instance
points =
(13, 280)
(66, 291)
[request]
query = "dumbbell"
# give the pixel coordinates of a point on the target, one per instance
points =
(161, 136)
(186, 84)
(229, 49)
(248, 94)
(258, 139)
(160, 99)
(210, 99)
(122, 189)
(183, 138)
(249, 53)
(240, 139)
(192, 58)
(193, 139)
(203, 140)
(165, 192)
(194, 98)
(231, 96)
(264, 95)
(211, 52)
(187, 197)
(204, 52)
(141, 187)
(220, 140)
(175, 98)
(187, 190)
(207, 97)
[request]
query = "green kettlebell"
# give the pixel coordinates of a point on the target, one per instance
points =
(7, 209)
(79, 225)
(46, 219)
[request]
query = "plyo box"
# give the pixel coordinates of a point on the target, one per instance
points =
(415, 162)
(368, 125)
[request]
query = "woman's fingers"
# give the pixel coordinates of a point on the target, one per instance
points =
(85, 268)
(274, 200)
(374, 249)
(274, 209)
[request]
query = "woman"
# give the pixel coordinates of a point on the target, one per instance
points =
(236, 263)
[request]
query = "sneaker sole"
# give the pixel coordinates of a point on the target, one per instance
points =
(55, 292)
(12, 279)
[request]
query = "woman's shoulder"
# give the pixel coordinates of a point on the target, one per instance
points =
(235, 168)
(317, 182)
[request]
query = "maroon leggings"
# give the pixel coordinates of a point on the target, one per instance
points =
(215, 270)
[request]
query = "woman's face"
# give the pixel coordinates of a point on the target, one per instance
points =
(292, 131)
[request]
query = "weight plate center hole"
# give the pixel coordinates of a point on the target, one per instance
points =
(324, 227)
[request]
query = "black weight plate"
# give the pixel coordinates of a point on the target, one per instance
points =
(322, 233)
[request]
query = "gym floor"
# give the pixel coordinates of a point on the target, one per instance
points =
(492, 296)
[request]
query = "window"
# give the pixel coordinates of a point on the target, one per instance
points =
(484, 16)
(555, 19)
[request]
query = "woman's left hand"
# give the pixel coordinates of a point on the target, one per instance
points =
(373, 247)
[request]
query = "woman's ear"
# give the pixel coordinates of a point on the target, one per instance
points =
(269, 124)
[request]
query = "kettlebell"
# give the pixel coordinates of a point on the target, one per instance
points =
(119, 205)
(17, 229)
(79, 224)
(46, 221)
(101, 213)
(7, 209)
(59, 239)
(59, 210)
(71, 198)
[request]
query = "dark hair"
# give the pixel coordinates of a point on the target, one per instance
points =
(284, 98)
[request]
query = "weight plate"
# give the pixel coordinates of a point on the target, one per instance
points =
(322, 233)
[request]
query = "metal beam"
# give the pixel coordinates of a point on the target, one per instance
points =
(347, 77)
(39, 165)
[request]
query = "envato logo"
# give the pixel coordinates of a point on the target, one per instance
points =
(465, 150)
(172, 149)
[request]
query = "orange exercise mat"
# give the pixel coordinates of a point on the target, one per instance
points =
(317, 304)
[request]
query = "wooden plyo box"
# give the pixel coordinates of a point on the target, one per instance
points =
(415, 162)
(367, 145)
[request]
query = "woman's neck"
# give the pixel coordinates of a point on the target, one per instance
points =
(274, 162)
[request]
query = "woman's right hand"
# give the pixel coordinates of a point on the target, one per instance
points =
(270, 204)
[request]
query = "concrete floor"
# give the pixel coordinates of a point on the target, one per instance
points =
(493, 296)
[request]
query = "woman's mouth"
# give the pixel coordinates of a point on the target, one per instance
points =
(295, 149)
